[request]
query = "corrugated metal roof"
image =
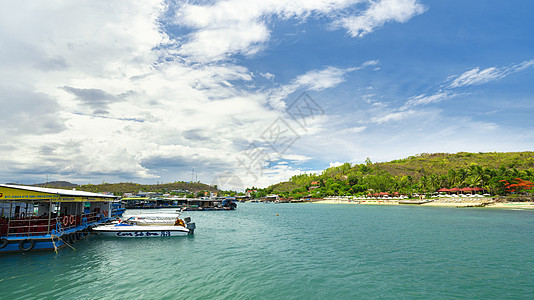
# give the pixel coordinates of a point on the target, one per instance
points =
(67, 193)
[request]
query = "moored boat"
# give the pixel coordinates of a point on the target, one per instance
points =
(35, 218)
(142, 227)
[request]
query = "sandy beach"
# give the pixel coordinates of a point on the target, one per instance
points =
(442, 202)
(367, 202)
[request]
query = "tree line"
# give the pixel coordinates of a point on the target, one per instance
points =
(421, 174)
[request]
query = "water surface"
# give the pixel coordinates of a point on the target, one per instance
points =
(296, 251)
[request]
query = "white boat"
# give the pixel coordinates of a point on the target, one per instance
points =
(138, 227)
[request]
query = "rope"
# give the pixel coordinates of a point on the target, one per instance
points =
(63, 242)
(54, 242)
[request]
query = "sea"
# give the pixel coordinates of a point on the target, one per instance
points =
(296, 251)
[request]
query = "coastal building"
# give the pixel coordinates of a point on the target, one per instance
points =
(273, 197)
(469, 190)
(36, 218)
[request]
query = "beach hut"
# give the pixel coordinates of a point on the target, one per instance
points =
(466, 190)
(454, 190)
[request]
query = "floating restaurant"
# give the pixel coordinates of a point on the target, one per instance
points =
(35, 218)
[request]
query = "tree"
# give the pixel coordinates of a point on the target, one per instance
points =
(517, 185)
(353, 179)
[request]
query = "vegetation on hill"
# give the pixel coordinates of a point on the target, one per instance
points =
(118, 189)
(179, 188)
(423, 174)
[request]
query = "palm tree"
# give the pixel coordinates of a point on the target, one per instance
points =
(434, 182)
(451, 178)
(476, 174)
(424, 183)
(461, 176)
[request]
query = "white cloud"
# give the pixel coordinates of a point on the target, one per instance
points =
(379, 13)
(314, 80)
(116, 103)
(217, 44)
(370, 63)
(335, 164)
(394, 116)
(118, 99)
(267, 75)
(476, 76)
(355, 129)
(427, 99)
(224, 28)
(472, 77)
(296, 157)
(322, 79)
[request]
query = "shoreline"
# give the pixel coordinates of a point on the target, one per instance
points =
(449, 202)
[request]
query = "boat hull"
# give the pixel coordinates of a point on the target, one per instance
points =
(141, 231)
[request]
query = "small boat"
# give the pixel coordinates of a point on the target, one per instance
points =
(139, 227)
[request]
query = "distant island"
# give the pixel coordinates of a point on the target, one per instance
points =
(507, 174)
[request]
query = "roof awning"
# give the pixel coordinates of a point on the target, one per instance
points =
(22, 193)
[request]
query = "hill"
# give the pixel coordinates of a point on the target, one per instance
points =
(57, 184)
(119, 189)
(423, 173)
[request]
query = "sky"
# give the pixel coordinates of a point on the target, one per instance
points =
(242, 93)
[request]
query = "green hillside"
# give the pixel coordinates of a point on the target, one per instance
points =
(119, 189)
(423, 173)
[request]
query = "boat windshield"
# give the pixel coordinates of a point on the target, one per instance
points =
(154, 217)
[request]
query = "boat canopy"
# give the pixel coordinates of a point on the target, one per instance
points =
(22, 193)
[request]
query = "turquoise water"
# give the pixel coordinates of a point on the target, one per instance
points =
(307, 251)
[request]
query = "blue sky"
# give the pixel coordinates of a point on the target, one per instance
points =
(241, 92)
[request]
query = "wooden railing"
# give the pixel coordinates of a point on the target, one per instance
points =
(35, 226)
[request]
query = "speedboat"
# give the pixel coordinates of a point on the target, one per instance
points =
(137, 227)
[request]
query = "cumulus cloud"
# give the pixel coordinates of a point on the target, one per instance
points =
(96, 99)
(26, 112)
(225, 28)
(105, 92)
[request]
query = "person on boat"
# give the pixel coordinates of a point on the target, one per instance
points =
(179, 222)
